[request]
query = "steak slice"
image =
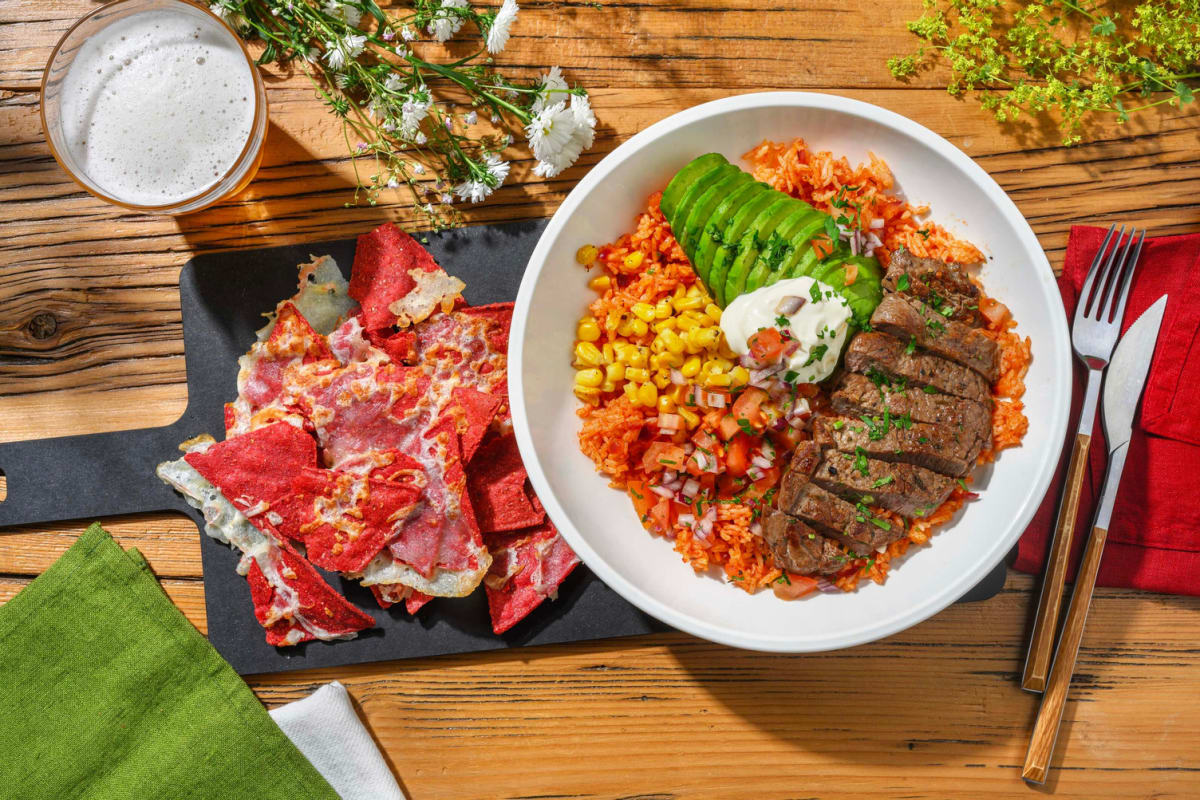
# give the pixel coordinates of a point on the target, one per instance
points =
(936, 447)
(798, 548)
(871, 353)
(910, 320)
(907, 489)
(935, 283)
(855, 395)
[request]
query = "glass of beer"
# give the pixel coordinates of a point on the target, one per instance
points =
(155, 105)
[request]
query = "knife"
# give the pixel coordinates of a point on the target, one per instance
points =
(1123, 385)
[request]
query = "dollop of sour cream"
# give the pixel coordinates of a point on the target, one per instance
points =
(807, 311)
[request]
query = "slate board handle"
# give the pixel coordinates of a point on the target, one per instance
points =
(89, 476)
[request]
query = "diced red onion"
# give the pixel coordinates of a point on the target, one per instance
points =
(714, 399)
(687, 519)
(669, 475)
(854, 245)
(674, 485)
(760, 461)
(754, 474)
(789, 305)
(677, 378)
(690, 487)
(749, 362)
(877, 223)
(662, 491)
(825, 586)
(668, 423)
(873, 241)
(756, 528)
(688, 448)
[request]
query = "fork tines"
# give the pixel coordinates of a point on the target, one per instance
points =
(1109, 276)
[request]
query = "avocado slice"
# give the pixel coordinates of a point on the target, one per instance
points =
(799, 243)
(684, 179)
(712, 232)
(758, 236)
(702, 209)
(779, 246)
(738, 235)
(702, 184)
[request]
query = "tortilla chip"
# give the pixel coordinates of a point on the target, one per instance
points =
(472, 412)
(397, 282)
(387, 595)
(255, 468)
(527, 567)
(496, 480)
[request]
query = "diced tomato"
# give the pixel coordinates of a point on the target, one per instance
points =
(663, 515)
(643, 499)
(787, 439)
(765, 345)
(851, 273)
(795, 587)
(822, 246)
(748, 406)
(703, 439)
(662, 455)
(764, 484)
(737, 454)
(728, 485)
(727, 427)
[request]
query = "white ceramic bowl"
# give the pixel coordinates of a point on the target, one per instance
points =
(599, 522)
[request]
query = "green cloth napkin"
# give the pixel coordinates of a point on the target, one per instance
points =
(108, 692)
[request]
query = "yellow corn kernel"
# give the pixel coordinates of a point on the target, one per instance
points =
(669, 359)
(713, 366)
(666, 404)
(588, 395)
(671, 340)
(633, 261)
(643, 311)
(587, 330)
(663, 324)
(647, 395)
(740, 375)
(591, 377)
(682, 323)
(625, 328)
(662, 309)
(718, 380)
(639, 327)
(690, 417)
(631, 391)
(686, 303)
(623, 351)
(682, 394)
(695, 291)
(600, 283)
(691, 367)
(614, 373)
(661, 378)
(608, 386)
(658, 346)
(637, 374)
(724, 363)
(713, 311)
(640, 357)
(610, 355)
(588, 354)
(704, 337)
(725, 351)
(611, 320)
(680, 291)
(586, 254)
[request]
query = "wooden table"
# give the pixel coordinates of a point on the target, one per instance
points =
(90, 341)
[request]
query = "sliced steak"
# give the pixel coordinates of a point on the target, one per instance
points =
(935, 282)
(855, 395)
(910, 320)
(936, 447)
(870, 353)
(798, 548)
(907, 489)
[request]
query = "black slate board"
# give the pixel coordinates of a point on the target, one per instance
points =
(223, 297)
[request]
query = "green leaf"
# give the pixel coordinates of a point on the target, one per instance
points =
(1183, 92)
(1105, 27)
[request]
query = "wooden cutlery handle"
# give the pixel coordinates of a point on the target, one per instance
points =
(1045, 730)
(1045, 623)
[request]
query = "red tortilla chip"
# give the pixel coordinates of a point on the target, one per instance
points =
(258, 466)
(472, 412)
(317, 604)
(396, 281)
(400, 346)
(496, 480)
(498, 318)
(344, 520)
(469, 347)
(527, 567)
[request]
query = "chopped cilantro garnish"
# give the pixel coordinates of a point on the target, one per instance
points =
(923, 439)
(929, 390)
(924, 233)
(784, 579)
(860, 462)
(884, 481)
(903, 283)
(935, 327)
(637, 494)
(814, 292)
(962, 484)
(816, 354)
(838, 424)
(868, 499)
(911, 346)
(744, 424)
(790, 376)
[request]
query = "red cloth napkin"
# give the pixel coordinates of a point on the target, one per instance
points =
(1154, 538)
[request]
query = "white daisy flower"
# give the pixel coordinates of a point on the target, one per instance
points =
(497, 36)
(470, 118)
(334, 57)
(393, 184)
(394, 83)
(475, 191)
(353, 45)
(445, 22)
(585, 121)
(554, 140)
(552, 89)
(420, 138)
(446, 198)
(497, 168)
(232, 18)
(418, 169)
(349, 14)
(413, 112)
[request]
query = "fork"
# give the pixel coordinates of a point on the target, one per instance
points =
(1094, 334)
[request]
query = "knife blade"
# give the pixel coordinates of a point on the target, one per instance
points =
(1123, 385)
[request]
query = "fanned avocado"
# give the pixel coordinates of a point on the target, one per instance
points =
(768, 268)
(864, 294)
(687, 203)
(734, 239)
(760, 233)
(802, 255)
(684, 179)
(713, 231)
(702, 210)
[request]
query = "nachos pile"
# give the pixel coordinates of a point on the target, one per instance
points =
(371, 437)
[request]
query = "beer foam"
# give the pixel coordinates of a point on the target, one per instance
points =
(157, 107)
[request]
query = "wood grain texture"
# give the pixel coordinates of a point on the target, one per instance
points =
(1054, 576)
(90, 340)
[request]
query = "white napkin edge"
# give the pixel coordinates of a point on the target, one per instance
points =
(326, 729)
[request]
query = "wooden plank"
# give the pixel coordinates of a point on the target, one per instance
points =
(739, 44)
(187, 594)
(108, 279)
(170, 543)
